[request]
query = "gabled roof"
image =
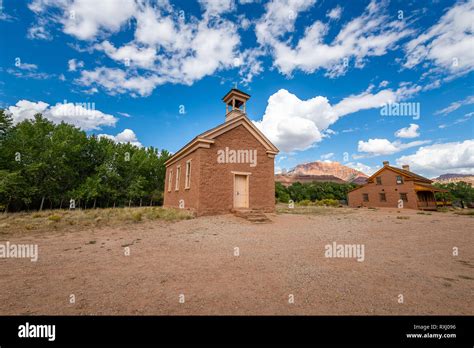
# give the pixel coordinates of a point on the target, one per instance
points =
(403, 172)
(207, 138)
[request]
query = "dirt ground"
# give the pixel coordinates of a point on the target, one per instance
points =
(406, 253)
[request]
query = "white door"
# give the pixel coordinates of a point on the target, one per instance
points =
(241, 191)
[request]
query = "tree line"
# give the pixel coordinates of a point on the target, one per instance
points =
(315, 191)
(458, 192)
(46, 165)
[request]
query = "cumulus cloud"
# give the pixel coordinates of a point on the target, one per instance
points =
(379, 147)
(73, 64)
(217, 7)
(447, 45)
(335, 13)
(370, 34)
(433, 160)
(85, 19)
(408, 132)
(167, 47)
(295, 124)
(126, 136)
(80, 115)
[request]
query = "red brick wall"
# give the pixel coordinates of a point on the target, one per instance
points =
(390, 188)
(212, 183)
(191, 195)
(217, 186)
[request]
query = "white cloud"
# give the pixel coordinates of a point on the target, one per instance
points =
(456, 105)
(126, 136)
(448, 45)
(371, 34)
(327, 156)
(167, 46)
(362, 167)
(27, 66)
(295, 124)
(73, 64)
(217, 7)
(129, 54)
(85, 19)
(80, 115)
(433, 160)
(408, 132)
(335, 13)
(379, 147)
(118, 81)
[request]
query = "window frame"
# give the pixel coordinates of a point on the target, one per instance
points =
(382, 194)
(178, 177)
(403, 194)
(378, 180)
(187, 179)
(365, 195)
(170, 179)
(401, 180)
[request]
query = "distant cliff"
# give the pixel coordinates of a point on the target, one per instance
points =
(322, 172)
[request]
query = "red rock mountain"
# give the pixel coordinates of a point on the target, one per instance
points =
(322, 171)
(447, 178)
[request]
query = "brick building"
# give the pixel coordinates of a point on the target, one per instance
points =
(390, 185)
(226, 168)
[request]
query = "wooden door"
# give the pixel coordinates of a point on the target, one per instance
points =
(241, 191)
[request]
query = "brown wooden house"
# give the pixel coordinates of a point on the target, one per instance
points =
(393, 187)
(226, 168)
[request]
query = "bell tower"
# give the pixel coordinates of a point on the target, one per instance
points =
(235, 101)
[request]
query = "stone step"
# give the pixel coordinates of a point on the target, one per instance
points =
(253, 216)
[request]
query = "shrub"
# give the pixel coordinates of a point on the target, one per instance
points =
(137, 216)
(304, 202)
(55, 218)
(329, 202)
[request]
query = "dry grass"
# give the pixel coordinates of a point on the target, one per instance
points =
(310, 210)
(66, 219)
(465, 212)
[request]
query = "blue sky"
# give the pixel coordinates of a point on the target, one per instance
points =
(320, 74)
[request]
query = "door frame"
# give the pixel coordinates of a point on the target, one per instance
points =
(247, 177)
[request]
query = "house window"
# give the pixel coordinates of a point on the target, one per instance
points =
(399, 180)
(170, 180)
(404, 197)
(379, 180)
(365, 197)
(383, 198)
(187, 183)
(178, 174)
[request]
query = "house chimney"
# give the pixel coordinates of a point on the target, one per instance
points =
(406, 167)
(385, 163)
(235, 103)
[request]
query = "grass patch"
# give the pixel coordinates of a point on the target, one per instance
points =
(423, 213)
(465, 212)
(310, 210)
(76, 219)
(403, 217)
